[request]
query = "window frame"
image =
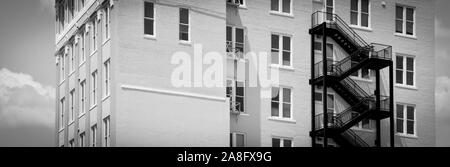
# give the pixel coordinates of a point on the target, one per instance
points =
(404, 20)
(153, 35)
(280, 8)
(234, 42)
(405, 71)
(71, 106)
(81, 139)
(61, 113)
(233, 137)
(281, 102)
(106, 24)
(282, 140)
(107, 78)
(93, 136)
(184, 24)
(94, 91)
(405, 120)
(281, 50)
(359, 16)
(106, 135)
(82, 94)
(234, 84)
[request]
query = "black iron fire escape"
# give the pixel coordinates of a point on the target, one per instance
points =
(336, 75)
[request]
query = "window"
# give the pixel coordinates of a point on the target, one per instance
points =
(236, 92)
(404, 20)
(281, 50)
(61, 113)
(82, 97)
(363, 73)
(237, 140)
(71, 106)
(83, 46)
(72, 143)
(62, 64)
(93, 37)
(106, 77)
(281, 6)
(279, 142)
(329, 9)
(405, 67)
(81, 139)
(235, 41)
(106, 24)
(184, 24)
(406, 119)
(72, 58)
(94, 88)
(149, 18)
(360, 13)
(106, 132)
(93, 135)
(281, 105)
(318, 97)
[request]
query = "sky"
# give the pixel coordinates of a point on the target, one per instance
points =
(27, 73)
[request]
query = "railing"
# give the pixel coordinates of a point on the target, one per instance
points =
(235, 107)
(354, 88)
(232, 52)
(380, 51)
(384, 103)
(334, 21)
(333, 122)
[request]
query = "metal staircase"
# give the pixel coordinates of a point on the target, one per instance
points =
(337, 75)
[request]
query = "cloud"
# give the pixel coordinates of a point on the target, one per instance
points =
(443, 111)
(25, 102)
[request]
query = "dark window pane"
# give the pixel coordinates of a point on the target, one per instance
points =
(240, 140)
(399, 76)
(409, 14)
(184, 28)
(148, 26)
(354, 5)
(354, 18)
(239, 35)
(399, 26)
(410, 127)
(329, 2)
(366, 124)
(287, 6)
(286, 43)
(275, 94)
(287, 143)
(364, 20)
(240, 103)
(275, 111)
(184, 16)
(229, 34)
(231, 139)
(410, 64)
(275, 41)
(330, 101)
(149, 9)
(286, 58)
(275, 142)
(318, 97)
(365, 6)
(410, 28)
(330, 52)
(399, 126)
(399, 111)
(365, 73)
(274, 5)
(399, 62)
(318, 46)
(399, 12)
(240, 89)
(410, 112)
(410, 78)
(287, 95)
(286, 110)
(184, 36)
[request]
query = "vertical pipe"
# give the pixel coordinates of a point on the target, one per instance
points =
(324, 95)
(391, 103)
(378, 104)
(313, 103)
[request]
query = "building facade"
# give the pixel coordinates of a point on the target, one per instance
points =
(115, 63)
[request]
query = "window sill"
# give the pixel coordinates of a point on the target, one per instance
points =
(151, 37)
(71, 122)
(105, 97)
(71, 73)
(406, 136)
(289, 15)
(62, 82)
(406, 87)
(286, 120)
(60, 130)
(244, 114)
(106, 41)
(367, 29)
(81, 115)
(186, 43)
(361, 79)
(81, 64)
(287, 68)
(94, 52)
(92, 107)
(405, 36)
(363, 130)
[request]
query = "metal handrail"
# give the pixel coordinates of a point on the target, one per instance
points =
(339, 23)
